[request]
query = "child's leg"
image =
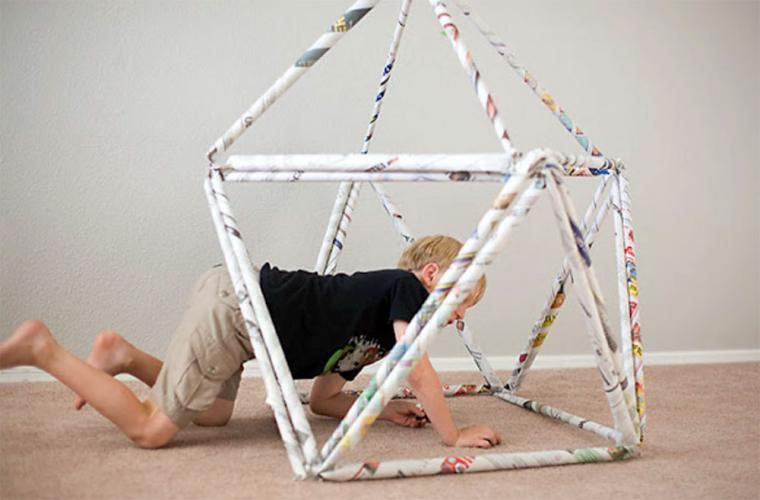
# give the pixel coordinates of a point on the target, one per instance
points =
(33, 344)
(112, 354)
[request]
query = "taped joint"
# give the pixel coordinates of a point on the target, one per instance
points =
(213, 167)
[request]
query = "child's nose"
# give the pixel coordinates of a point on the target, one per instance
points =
(457, 315)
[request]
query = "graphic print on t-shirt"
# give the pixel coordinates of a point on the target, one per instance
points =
(360, 351)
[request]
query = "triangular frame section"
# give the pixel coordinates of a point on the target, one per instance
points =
(524, 178)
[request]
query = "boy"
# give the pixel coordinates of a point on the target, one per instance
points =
(329, 327)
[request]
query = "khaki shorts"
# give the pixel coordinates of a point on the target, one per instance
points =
(206, 355)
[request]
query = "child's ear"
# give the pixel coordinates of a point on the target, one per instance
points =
(430, 273)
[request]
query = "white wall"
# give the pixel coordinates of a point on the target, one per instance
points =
(107, 109)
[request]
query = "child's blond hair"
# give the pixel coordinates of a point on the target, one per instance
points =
(441, 250)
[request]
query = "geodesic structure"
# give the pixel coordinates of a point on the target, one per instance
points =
(524, 177)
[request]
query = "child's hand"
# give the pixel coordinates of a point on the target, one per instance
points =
(404, 413)
(478, 436)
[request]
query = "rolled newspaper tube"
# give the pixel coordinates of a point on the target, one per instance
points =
(615, 350)
(622, 279)
(337, 234)
(348, 20)
(468, 64)
(501, 48)
(341, 231)
(344, 190)
(556, 299)
(275, 400)
(392, 210)
(561, 415)
(396, 215)
(465, 464)
(582, 165)
(299, 176)
(459, 279)
(265, 325)
(493, 163)
(633, 298)
(489, 374)
(589, 297)
(449, 391)
(497, 163)
(390, 62)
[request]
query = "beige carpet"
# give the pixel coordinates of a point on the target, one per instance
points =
(703, 441)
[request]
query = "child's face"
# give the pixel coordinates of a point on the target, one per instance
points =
(429, 275)
(459, 312)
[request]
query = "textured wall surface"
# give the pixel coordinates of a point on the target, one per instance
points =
(108, 108)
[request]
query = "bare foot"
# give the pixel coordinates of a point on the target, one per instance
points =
(110, 353)
(31, 344)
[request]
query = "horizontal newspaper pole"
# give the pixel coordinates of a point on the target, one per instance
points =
(494, 163)
(300, 176)
(401, 168)
(466, 464)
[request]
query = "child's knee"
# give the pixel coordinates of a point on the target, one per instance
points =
(151, 440)
(203, 421)
(217, 415)
(157, 431)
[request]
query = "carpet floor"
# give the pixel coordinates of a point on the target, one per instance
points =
(702, 441)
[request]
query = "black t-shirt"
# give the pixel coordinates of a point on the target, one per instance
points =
(338, 323)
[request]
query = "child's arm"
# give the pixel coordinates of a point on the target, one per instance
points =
(328, 399)
(427, 387)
